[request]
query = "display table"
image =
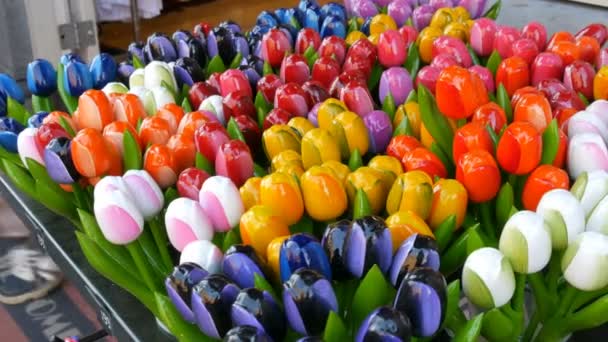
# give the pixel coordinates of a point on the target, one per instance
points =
(119, 312)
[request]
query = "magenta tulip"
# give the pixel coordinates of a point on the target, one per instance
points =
(546, 65)
(503, 42)
(346, 76)
(428, 77)
(483, 33)
(397, 82)
(392, 49)
(485, 75)
(444, 60)
(537, 33)
(190, 181)
(578, 76)
(525, 48)
(454, 47)
(365, 8)
(409, 34)
(357, 98)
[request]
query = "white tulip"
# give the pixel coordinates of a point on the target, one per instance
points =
(586, 152)
(487, 278)
(599, 107)
(159, 74)
(136, 79)
(585, 262)
(114, 88)
(564, 216)
(213, 104)
(598, 219)
(162, 97)
(587, 122)
(526, 242)
(590, 188)
(146, 97)
(204, 254)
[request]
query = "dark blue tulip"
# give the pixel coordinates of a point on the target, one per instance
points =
(41, 78)
(246, 333)
(302, 251)
(260, 30)
(197, 51)
(309, 4)
(385, 324)
(11, 88)
(257, 308)
(194, 70)
(255, 45)
(35, 120)
(288, 16)
(64, 59)
(231, 26)
(212, 299)
(241, 264)
(334, 9)
(225, 48)
(266, 18)
(256, 63)
(77, 78)
(159, 47)
(365, 26)
(212, 49)
(416, 251)
(422, 296)
(182, 48)
(103, 70)
(311, 19)
(252, 75)
(240, 45)
(179, 287)
(333, 26)
(2, 103)
(334, 243)
(308, 298)
(58, 161)
(9, 130)
(124, 71)
(136, 49)
(10, 125)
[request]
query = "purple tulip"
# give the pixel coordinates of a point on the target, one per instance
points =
(379, 130)
(397, 82)
(474, 7)
(58, 161)
(241, 264)
(159, 47)
(257, 308)
(308, 298)
(313, 114)
(382, 3)
(246, 333)
(400, 11)
(416, 251)
(485, 75)
(212, 299)
(179, 287)
(421, 16)
(385, 324)
(422, 296)
(365, 8)
(437, 4)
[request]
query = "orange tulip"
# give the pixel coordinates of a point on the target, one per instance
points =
(535, 109)
(543, 179)
(173, 114)
(478, 172)
(159, 163)
(184, 151)
(90, 153)
(513, 73)
(154, 130)
(114, 133)
(459, 92)
(490, 114)
(520, 147)
(128, 107)
(404, 224)
(94, 110)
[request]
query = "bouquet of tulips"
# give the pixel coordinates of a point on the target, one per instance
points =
(319, 177)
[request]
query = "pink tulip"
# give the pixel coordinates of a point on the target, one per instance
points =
(587, 122)
(600, 109)
(186, 222)
(602, 58)
(108, 184)
(221, 200)
(428, 77)
(392, 49)
(27, 147)
(483, 33)
(578, 76)
(454, 47)
(537, 33)
(444, 60)
(586, 152)
(357, 98)
(204, 254)
(485, 75)
(526, 49)
(291, 98)
(233, 80)
(118, 217)
(503, 42)
(146, 193)
(546, 65)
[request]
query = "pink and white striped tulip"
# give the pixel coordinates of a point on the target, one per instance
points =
(118, 217)
(145, 191)
(586, 152)
(186, 222)
(204, 254)
(221, 200)
(27, 147)
(600, 108)
(587, 122)
(108, 184)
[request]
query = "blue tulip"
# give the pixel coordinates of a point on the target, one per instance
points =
(252, 75)
(41, 78)
(333, 26)
(257, 308)
(9, 130)
(77, 78)
(179, 287)
(266, 18)
(334, 9)
(239, 43)
(256, 63)
(181, 35)
(260, 30)
(311, 19)
(103, 70)
(241, 264)
(246, 333)
(159, 47)
(231, 26)
(68, 57)
(197, 51)
(212, 300)
(124, 71)
(11, 88)
(365, 26)
(385, 324)
(309, 4)
(416, 251)
(288, 16)
(136, 49)
(35, 120)
(302, 251)
(2, 103)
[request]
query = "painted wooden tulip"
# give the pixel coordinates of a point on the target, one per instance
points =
(41, 78)
(397, 82)
(392, 49)
(526, 49)
(390, 167)
(537, 33)
(578, 77)
(400, 11)
(293, 99)
(233, 160)
(469, 137)
(94, 110)
(385, 324)
(459, 92)
(234, 80)
(308, 298)
(403, 225)
(543, 179)
(27, 146)
(424, 160)
(520, 148)
(204, 254)
(590, 188)
(179, 285)
(413, 191)
(36, 120)
(154, 130)
(279, 138)
(214, 105)
(333, 47)
(246, 333)
(160, 163)
(258, 308)
(208, 139)
(357, 98)
(416, 251)
(365, 8)
(199, 92)
(241, 264)
(275, 44)
(546, 65)
(221, 200)
(103, 70)
(212, 299)
(77, 78)
(350, 132)
(601, 59)
(525, 241)
(318, 146)
(513, 73)
(504, 39)
(268, 85)
(589, 49)
(452, 46)
(115, 88)
(58, 161)
(147, 195)
(294, 68)
(428, 76)
(370, 181)
(586, 152)
(186, 222)
(303, 251)
(276, 116)
(584, 262)
(444, 60)
(323, 193)
(129, 108)
(190, 181)
(449, 198)
(489, 269)
(158, 74)
(478, 172)
(325, 70)
(186, 71)
(90, 153)
(159, 47)
(482, 35)
(307, 37)
(259, 226)
(116, 206)
(9, 130)
(421, 16)
(333, 25)
(563, 215)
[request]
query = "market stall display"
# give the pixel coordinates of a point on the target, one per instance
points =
(322, 175)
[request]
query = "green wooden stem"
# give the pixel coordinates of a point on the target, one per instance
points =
(143, 268)
(41, 104)
(161, 240)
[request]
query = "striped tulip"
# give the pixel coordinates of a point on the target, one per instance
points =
(94, 110)
(179, 287)
(160, 164)
(212, 299)
(204, 254)
(525, 241)
(186, 222)
(489, 269)
(585, 261)
(221, 200)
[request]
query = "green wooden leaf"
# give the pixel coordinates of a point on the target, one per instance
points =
(60, 202)
(454, 318)
(132, 158)
(267, 69)
(550, 143)
(471, 331)
(41, 104)
(202, 163)
(373, 291)
(335, 330)
(263, 284)
(15, 110)
(305, 225)
(412, 96)
(502, 99)
(233, 237)
(493, 62)
(404, 128)
(504, 203)
(473, 55)
(70, 102)
(11, 157)
(234, 131)
(66, 126)
(81, 198)
(236, 61)
(434, 121)
(355, 161)
(21, 178)
(374, 78)
(494, 11)
(170, 194)
(137, 63)
(412, 63)
(186, 105)
(445, 231)
(583, 98)
(389, 106)
(215, 65)
(258, 170)
(446, 160)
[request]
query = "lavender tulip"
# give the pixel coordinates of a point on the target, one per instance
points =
(421, 16)
(186, 222)
(308, 298)
(257, 308)
(159, 47)
(474, 7)
(416, 251)
(58, 161)
(179, 287)
(379, 130)
(397, 82)
(365, 8)
(241, 264)
(400, 11)
(385, 324)
(212, 299)
(204, 254)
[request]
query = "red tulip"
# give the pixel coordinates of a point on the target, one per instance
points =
(344, 78)
(409, 34)
(307, 37)
(537, 33)
(546, 65)
(234, 161)
(401, 146)
(234, 80)
(459, 92)
(154, 130)
(490, 114)
(563, 116)
(597, 31)
(315, 91)
(560, 157)
(357, 98)
(276, 116)
(392, 49)
(190, 182)
(47, 132)
(566, 99)
(578, 77)
(424, 160)
(237, 104)
(251, 131)
(275, 44)
(294, 68)
(505, 37)
(208, 138)
(471, 136)
(199, 92)
(184, 151)
(513, 73)
(268, 85)
(214, 81)
(358, 63)
(364, 48)
(428, 77)
(333, 47)
(325, 71)
(526, 49)
(173, 114)
(452, 46)
(159, 163)
(292, 98)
